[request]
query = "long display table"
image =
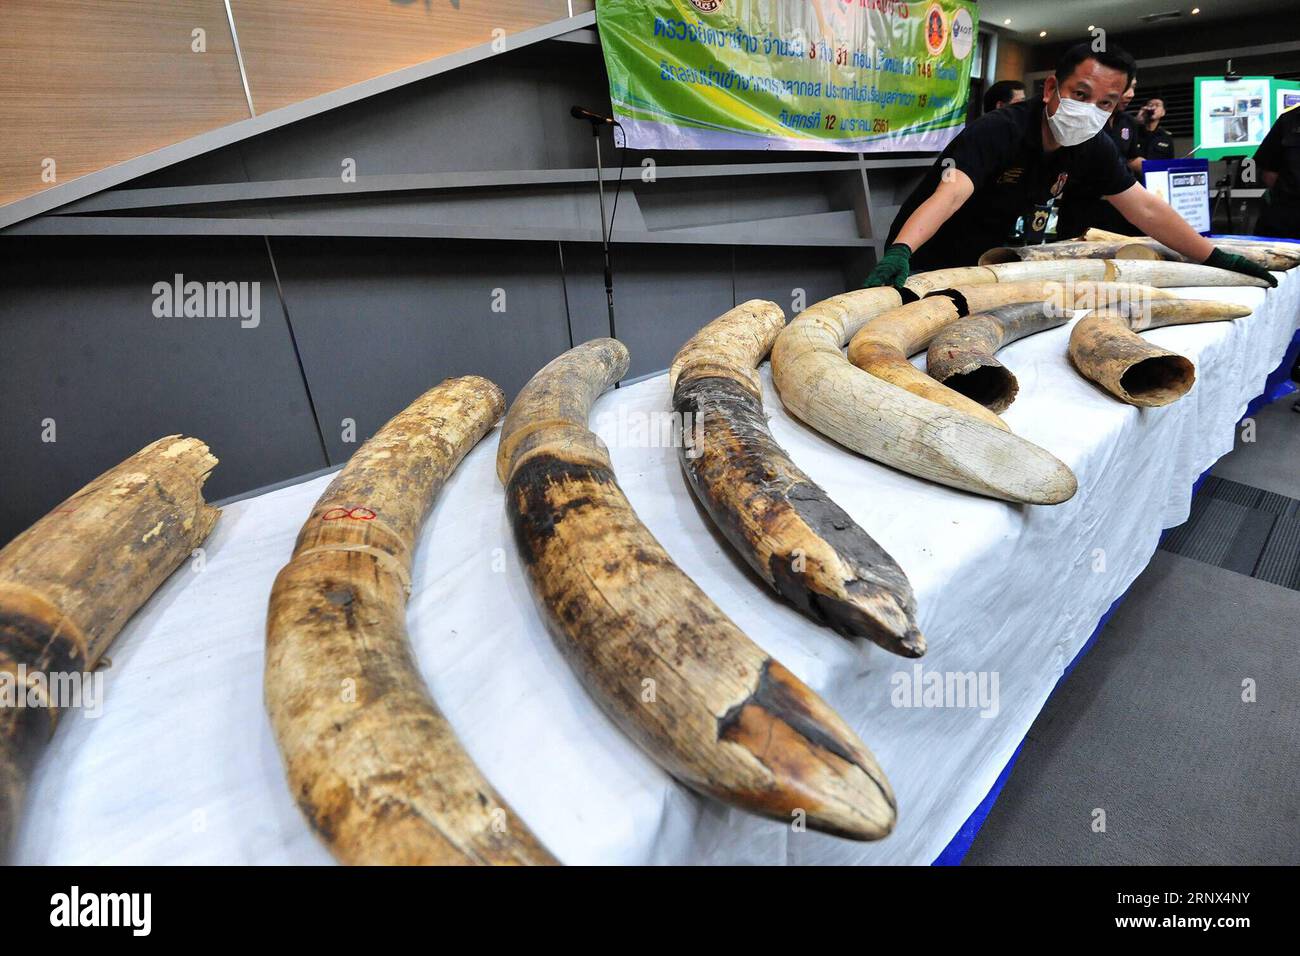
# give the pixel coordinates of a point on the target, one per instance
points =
(180, 765)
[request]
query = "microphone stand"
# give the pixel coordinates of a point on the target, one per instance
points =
(604, 234)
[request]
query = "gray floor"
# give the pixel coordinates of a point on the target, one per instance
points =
(1272, 460)
(1151, 727)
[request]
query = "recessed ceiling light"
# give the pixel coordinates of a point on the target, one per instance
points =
(1195, 10)
(1006, 22)
(1091, 27)
(1042, 33)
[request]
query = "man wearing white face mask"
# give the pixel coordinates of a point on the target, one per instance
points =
(1015, 161)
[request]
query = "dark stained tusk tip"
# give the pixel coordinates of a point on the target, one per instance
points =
(911, 644)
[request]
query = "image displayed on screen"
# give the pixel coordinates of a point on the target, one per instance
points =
(1223, 106)
(1234, 115)
(1287, 100)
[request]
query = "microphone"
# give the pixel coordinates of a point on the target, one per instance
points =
(595, 119)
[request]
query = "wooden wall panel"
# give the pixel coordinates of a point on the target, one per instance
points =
(90, 83)
(297, 49)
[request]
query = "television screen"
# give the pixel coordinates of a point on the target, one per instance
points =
(1232, 116)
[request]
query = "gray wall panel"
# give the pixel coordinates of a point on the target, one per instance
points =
(221, 166)
(662, 295)
(554, 207)
(381, 321)
(82, 346)
(511, 112)
(776, 274)
(681, 203)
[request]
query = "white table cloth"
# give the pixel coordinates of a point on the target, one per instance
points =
(181, 766)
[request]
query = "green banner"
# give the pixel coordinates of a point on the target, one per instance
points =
(854, 75)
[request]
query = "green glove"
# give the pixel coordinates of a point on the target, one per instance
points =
(893, 268)
(1235, 263)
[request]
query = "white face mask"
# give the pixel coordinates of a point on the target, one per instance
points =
(1075, 122)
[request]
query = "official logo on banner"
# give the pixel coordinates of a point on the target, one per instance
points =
(963, 34)
(936, 29)
(706, 6)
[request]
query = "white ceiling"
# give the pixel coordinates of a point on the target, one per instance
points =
(1068, 20)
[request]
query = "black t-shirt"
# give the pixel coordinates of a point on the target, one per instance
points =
(1002, 153)
(1280, 153)
(1078, 213)
(1155, 143)
(1123, 133)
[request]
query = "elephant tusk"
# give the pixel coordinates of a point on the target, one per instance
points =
(1093, 234)
(883, 344)
(1078, 249)
(1059, 295)
(1153, 272)
(923, 283)
(961, 356)
(891, 425)
(1099, 244)
(72, 580)
(884, 326)
(372, 762)
(662, 660)
(784, 525)
(1105, 348)
(1276, 257)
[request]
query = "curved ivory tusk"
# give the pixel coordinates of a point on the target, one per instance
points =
(379, 772)
(783, 524)
(1058, 270)
(1152, 272)
(961, 356)
(72, 580)
(1286, 250)
(1094, 234)
(884, 343)
(1107, 249)
(1055, 294)
(1277, 257)
(923, 283)
(721, 715)
(1105, 347)
(889, 424)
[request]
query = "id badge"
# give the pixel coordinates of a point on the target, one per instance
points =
(1036, 223)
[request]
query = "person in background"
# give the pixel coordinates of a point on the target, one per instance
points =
(1123, 129)
(1003, 93)
(1154, 141)
(1278, 162)
(1012, 162)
